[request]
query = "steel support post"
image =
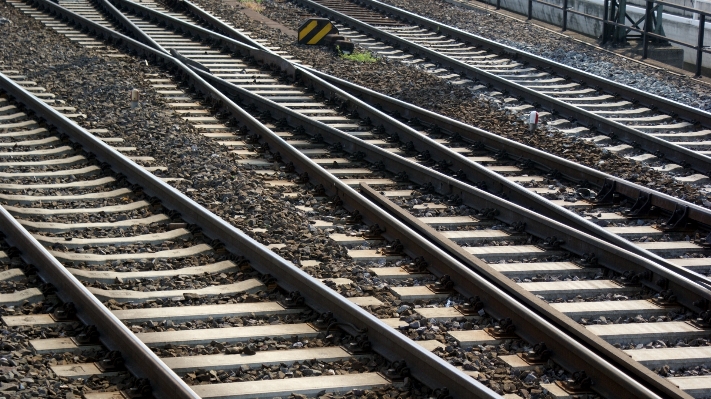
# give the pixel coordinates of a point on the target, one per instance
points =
(647, 26)
(700, 44)
(530, 9)
(565, 15)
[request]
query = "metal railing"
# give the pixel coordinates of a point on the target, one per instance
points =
(645, 32)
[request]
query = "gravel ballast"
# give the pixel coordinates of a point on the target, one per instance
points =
(210, 172)
(479, 109)
(98, 86)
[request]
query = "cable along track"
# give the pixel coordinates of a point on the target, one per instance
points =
(317, 143)
(667, 135)
(86, 229)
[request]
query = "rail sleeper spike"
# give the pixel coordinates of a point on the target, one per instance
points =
(320, 31)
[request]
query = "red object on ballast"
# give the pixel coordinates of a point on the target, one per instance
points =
(533, 117)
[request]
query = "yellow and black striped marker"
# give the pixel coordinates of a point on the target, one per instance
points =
(315, 29)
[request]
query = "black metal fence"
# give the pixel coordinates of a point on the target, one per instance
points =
(646, 34)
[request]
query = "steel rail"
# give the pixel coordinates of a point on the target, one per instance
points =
(572, 171)
(648, 99)
(317, 80)
(221, 27)
(424, 365)
(129, 26)
(566, 323)
(603, 370)
(519, 194)
(610, 257)
(421, 174)
(538, 225)
(139, 359)
(469, 281)
(670, 151)
(694, 282)
(200, 33)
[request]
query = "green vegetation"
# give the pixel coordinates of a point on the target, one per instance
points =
(358, 56)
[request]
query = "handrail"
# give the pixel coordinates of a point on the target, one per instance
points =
(646, 34)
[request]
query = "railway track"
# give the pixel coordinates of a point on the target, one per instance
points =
(394, 188)
(652, 223)
(514, 161)
(63, 326)
(27, 368)
(639, 229)
(113, 237)
(641, 126)
(632, 219)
